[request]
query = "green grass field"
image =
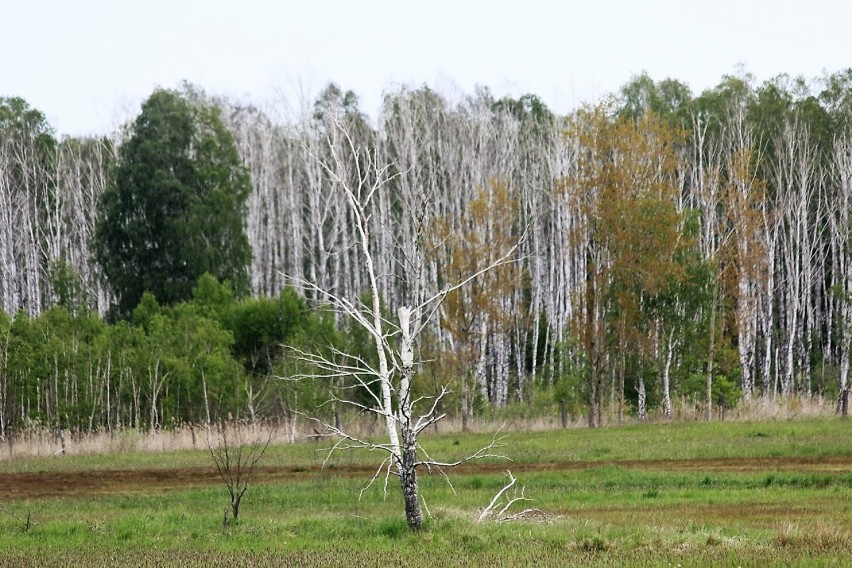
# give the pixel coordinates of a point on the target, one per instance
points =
(729, 494)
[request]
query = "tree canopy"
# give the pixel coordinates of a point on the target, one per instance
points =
(176, 206)
(686, 249)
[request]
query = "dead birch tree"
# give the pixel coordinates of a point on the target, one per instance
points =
(388, 382)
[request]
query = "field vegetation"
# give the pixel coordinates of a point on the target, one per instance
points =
(689, 494)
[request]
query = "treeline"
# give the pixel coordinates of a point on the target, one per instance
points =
(197, 362)
(671, 244)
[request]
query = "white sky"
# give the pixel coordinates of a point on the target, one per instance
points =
(87, 64)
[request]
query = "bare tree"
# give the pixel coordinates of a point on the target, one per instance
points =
(236, 458)
(388, 380)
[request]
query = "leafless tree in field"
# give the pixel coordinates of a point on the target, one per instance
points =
(236, 450)
(387, 381)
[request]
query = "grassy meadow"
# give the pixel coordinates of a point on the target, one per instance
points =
(688, 494)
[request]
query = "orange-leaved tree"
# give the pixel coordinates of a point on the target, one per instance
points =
(625, 184)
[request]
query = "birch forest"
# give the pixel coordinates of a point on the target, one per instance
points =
(673, 250)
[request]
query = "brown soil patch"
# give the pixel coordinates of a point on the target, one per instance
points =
(39, 485)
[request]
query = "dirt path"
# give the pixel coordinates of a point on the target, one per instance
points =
(41, 485)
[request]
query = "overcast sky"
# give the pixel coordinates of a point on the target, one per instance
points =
(89, 63)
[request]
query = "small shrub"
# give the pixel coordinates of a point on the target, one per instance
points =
(593, 544)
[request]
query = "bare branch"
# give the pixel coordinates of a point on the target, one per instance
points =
(434, 301)
(430, 417)
(385, 465)
(355, 442)
(489, 511)
(440, 469)
(481, 453)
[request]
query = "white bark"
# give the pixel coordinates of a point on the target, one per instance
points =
(841, 238)
(667, 365)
